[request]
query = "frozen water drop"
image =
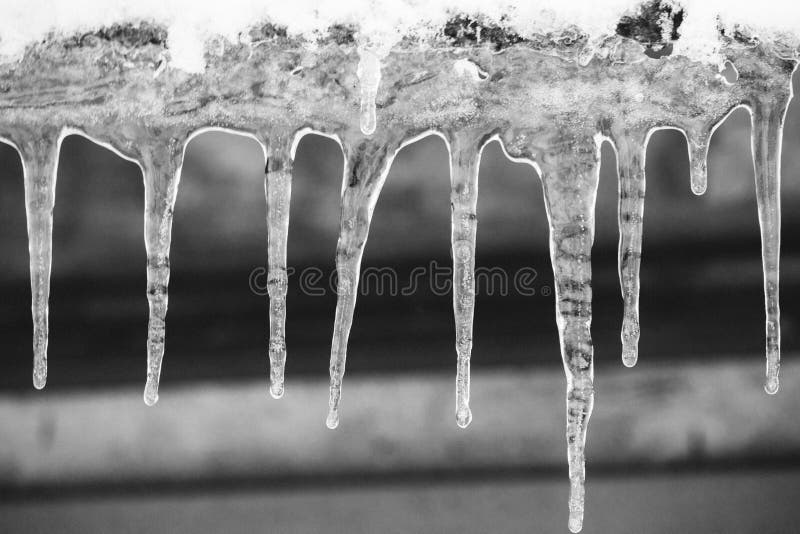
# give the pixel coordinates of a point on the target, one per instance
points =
(630, 336)
(161, 165)
(333, 419)
(369, 76)
(151, 392)
(276, 390)
(40, 373)
(464, 417)
(278, 189)
(698, 157)
(772, 384)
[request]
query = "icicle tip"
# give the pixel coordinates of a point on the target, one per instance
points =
(333, 419)
(576, 496)
(629, 358)
(630, 340)
(575, 522)
(277, 359)
(464, 417)
(699, 189)
(150, 393)
(39, 376)
(772, 385)
(276, 390)
(699, 178)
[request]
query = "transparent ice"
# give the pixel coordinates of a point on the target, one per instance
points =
(551, 100)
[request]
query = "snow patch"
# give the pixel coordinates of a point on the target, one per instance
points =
(380, 23)
(467, 69)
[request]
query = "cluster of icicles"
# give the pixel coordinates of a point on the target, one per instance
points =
(565, 155)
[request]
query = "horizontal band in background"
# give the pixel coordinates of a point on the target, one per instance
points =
(650, 415)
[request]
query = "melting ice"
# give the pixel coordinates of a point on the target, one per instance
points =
(550, 99)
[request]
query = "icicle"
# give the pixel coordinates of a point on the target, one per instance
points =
(369, 76)
(630, 164)
(278, 185)
(698, 160)
(161, 166)
(464, 163)
(570, 185)
(767, 117)
(40, 159)
(365, 170)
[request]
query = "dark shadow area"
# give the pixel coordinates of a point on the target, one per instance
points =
(15, 303)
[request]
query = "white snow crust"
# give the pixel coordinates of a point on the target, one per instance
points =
(380, 23)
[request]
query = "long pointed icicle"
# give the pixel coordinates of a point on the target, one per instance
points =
(278, 185)
(570, 186)
(631, 170)
(161, 176)
(464, 163)
(767, 133)
(365, 170)
(40, 158)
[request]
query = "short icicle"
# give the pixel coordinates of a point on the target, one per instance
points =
(465, 150)
(570, 178)
(631, 171)
(698, 161)
(161, 166)
(366, 165)
(278, 188)
(369, 76)
(40, 159)
(767, 115)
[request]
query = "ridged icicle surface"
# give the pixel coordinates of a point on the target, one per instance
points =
(550, 101)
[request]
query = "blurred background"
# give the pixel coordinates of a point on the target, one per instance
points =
(686, 441)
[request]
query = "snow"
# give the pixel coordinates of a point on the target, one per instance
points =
(379, 22)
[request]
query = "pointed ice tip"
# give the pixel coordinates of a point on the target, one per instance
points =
(772, 385)
(699, 188)
(276, 390)
(39, 380)
(150, 394)
(464, 417)
(698, 175)
(575, 522)
(39, 374)
(333, 420)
